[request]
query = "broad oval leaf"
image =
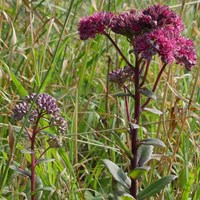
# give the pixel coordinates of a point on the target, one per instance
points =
(155, 187)
(152, 141)
(117, 173)
(139, 171)
(153, 110)
(144, 154)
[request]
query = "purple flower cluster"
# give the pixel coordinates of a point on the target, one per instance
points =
(155, 30)
(158, 16)
(90, 26)
(44, 105)
(120, 76)
(126, 24)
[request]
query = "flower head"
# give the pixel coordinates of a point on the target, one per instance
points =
(90, 26)
(120, 76)
(20, 110)
(158, 41)
(44, 105)
(54, 142)
(158, 16)
(47, 103)
(185, 52)
(126, 24)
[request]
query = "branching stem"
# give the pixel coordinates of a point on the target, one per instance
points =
(118, 49)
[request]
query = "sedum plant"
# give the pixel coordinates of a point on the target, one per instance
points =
(42, 112)
(155, 31)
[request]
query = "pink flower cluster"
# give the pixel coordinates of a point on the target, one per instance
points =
(90, 26)
(155, 30)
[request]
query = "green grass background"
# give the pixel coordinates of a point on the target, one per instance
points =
(40, 50)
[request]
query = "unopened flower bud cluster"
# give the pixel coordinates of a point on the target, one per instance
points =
(44, 105)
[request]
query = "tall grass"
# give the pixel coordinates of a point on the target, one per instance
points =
(41, 52)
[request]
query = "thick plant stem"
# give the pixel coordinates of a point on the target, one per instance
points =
(134, 131)
(33, 160)
(33, 157)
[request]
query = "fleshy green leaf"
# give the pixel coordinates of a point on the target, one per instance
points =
(20, 171)
(135, 126)
(138, 172)
(148, 93)
(144, 154)
(155, 187)
(152, 141)
(117, 173)
(45, 160)
(153, 110)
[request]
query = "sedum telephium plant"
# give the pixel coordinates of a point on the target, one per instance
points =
(152, 31)
(44, 108)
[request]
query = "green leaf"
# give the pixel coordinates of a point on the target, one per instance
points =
(39, 188)
(135, 126)
(127, 197)
(122, 145)
(25, 151)
(20, 171)
(17, 83)
(155, 187)
(152, 141)
(153, 110)
(138, 172)
(144, 154)
(148, 93)
(89, 196)
(118, 174)
(45, 160)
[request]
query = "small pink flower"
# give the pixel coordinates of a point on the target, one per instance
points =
(90, 26)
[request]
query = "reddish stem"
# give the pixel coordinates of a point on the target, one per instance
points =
(33, 157)
(120, 52)
(145, 74)
(134, 131)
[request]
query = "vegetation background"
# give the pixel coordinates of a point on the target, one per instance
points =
(40, 50)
